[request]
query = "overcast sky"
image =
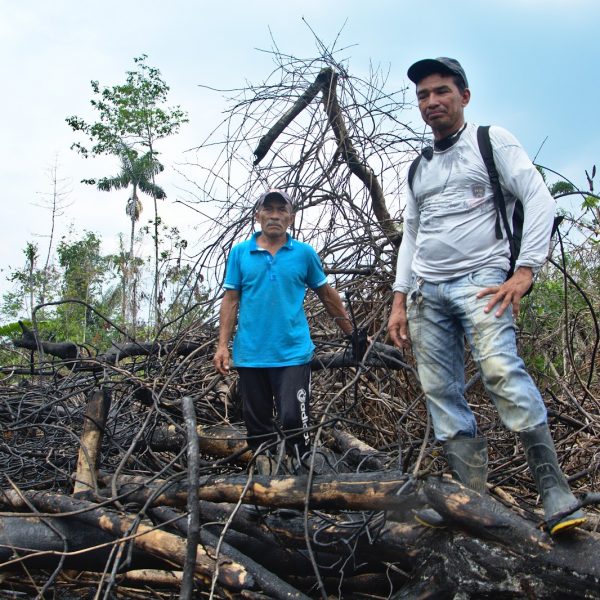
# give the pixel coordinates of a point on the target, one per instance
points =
(532, 67)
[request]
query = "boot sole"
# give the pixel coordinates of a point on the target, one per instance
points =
(566, 525)
(429, 518)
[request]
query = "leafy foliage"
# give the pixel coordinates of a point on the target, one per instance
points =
(136, 171)
(559, 324)
(130, 114)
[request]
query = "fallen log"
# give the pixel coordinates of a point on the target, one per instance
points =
(464, 511)
(161, 544)
(479, 536)
(228, 443)
(215, 440)
(378, 355)
(483, 518)
(356, 451)
(41, 542)
(269, 582)
(136, 578)
(355, 491)
(29, 341)
(69, 351)
(132, 349)
(390, 490)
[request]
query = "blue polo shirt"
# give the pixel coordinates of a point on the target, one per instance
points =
(272, 329)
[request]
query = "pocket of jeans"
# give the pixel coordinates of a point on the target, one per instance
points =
(488, 277)
(410, 295)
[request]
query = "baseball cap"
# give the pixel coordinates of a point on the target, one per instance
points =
(273, 194)
(443, 64)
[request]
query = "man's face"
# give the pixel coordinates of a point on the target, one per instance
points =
(442, 104)
(274, 217)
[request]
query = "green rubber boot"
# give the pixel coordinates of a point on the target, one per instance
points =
(468, 460)
(551, 484)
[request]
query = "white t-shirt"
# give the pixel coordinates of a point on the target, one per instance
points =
(450, 219)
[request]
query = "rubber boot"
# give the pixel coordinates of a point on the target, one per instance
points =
(468, 460)
(551, 484)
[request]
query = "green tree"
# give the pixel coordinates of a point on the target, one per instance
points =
(84, 273)
(132, 116)
(137, 172)
(32, 286)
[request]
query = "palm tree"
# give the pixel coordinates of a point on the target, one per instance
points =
(138, 172)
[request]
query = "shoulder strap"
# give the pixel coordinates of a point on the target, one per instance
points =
(412, 170)
(487, 153)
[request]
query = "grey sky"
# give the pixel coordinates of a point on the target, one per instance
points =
(532, 66)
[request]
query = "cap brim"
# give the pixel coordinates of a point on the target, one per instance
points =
(274, 194)
(426, 67)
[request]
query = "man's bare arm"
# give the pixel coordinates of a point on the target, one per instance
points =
(335, 308)
(227, 318)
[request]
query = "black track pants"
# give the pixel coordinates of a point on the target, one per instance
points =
(282, 393)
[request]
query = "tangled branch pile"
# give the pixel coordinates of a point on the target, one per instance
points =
(98, 453)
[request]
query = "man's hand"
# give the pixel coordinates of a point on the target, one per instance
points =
(398, 322)
(510, 292)
(221, 360)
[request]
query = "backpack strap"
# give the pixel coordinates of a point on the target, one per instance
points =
(412, 170)
(487, 153)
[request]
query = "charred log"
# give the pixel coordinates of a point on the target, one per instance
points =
(29, 341)
(158, 543)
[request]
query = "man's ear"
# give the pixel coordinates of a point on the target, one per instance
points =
(466, 96)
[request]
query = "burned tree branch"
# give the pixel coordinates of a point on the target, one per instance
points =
(29, 341)
(326, 83)
(303, 101)
(158, 543)
(355, 164)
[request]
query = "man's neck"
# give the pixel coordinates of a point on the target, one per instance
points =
(271, 244)
(443, 142)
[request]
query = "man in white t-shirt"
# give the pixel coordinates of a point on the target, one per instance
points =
(451, 283)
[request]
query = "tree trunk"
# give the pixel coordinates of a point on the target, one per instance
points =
(91, 441)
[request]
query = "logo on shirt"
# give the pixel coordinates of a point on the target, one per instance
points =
(478, 190)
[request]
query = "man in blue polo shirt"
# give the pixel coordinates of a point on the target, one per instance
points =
(265, 286)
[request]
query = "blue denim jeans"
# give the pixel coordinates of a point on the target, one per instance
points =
(440, 315)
